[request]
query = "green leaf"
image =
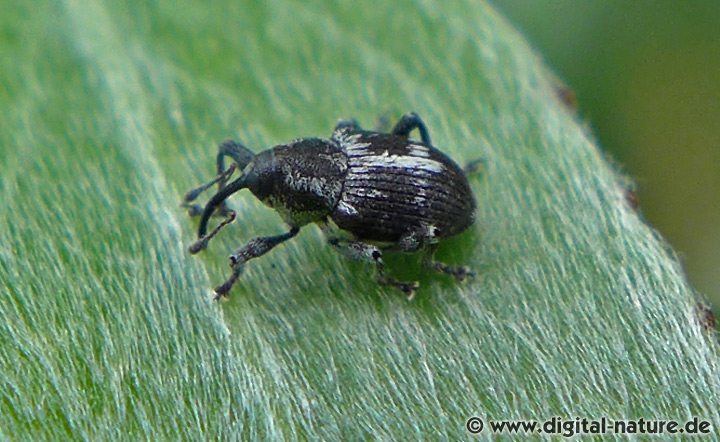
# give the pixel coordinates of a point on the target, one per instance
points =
(112, 111)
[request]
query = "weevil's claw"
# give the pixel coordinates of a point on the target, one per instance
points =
(197, 210)
(194, 209)
(223, 290)
(462, 273)
(219, 296)
(474, 166)
(224, 211)
(409, 288)
(198, 245)
(202, 243)
(194, 193)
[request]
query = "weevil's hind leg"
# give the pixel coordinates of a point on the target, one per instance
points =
(361, 251)
(460, 273)
(256, 247)
(348, 123)
(408, 123)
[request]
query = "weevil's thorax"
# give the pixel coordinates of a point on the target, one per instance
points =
(301, 180)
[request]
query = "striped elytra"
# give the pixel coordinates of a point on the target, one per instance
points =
(394, 186)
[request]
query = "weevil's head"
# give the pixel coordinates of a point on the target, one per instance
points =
(262, 174)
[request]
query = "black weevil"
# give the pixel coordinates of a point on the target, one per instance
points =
(389, 193)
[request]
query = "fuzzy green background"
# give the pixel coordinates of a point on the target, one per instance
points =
(646, 76)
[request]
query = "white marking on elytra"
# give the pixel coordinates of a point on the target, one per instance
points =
(420, 200)
(350, 143)
(370, 193)
(361, 159)
(418, 156)
(404, 161)
(431, 232)
(346, 208)
(417, 150)
(375, 193)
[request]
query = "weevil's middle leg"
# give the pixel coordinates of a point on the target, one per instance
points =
(358, 250)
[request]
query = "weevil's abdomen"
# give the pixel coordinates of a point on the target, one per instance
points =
(394, 186)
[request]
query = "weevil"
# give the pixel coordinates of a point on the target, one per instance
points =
(382, 191)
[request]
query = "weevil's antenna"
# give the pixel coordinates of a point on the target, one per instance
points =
(194, 193)
(240, 154)
(214, 202)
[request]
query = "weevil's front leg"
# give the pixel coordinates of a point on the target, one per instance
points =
(381, 125)
(256, 247)
(358, 250)
(408, 123)
(348, 123)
